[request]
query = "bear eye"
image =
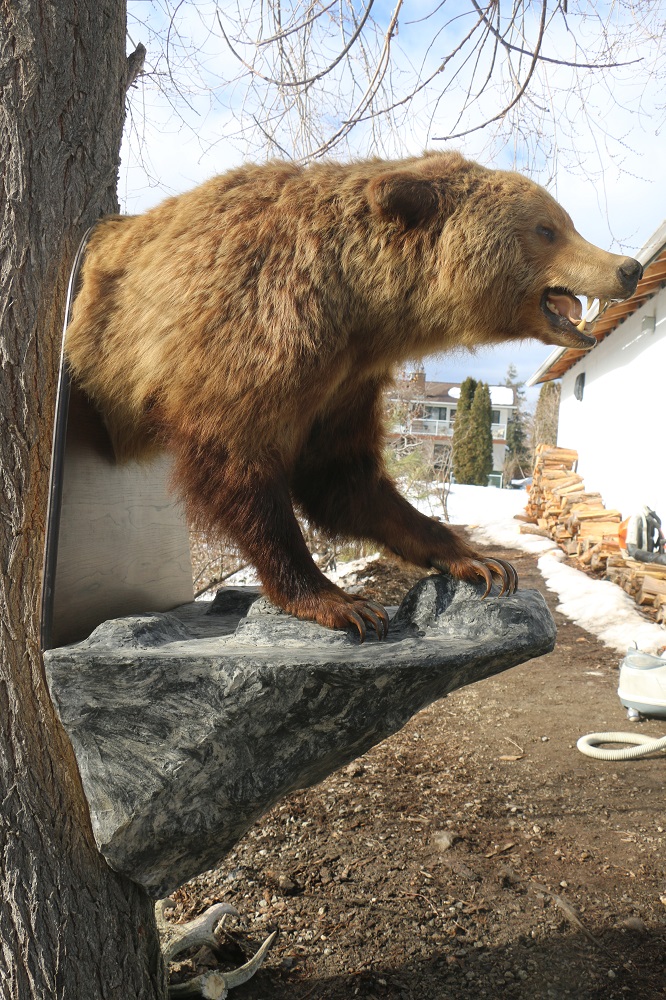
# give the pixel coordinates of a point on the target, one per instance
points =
(546, 232)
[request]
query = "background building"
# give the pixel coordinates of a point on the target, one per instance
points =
(425, 412)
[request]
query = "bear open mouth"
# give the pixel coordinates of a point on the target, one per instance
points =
(564, 312)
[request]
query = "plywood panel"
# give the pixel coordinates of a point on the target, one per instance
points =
(118, 544)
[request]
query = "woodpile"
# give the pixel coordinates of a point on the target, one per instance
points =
(559, 507)
(645, 582)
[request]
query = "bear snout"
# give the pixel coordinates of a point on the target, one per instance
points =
(630, 274)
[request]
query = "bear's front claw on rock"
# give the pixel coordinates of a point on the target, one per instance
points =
(506, 574)
(354, 618)
(340, 610)
(513, 573)
(362, 611)
(372, 612)
(484, 571)
(487, 568)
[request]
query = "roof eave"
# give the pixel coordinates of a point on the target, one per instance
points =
(544, 367)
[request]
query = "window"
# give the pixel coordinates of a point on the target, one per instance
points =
(495, 416)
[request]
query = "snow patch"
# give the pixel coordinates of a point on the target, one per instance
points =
(345, 574)
(598, 606)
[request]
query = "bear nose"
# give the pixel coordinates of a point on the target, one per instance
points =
(630, 274)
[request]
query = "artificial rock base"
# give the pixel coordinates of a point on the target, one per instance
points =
(188, 726)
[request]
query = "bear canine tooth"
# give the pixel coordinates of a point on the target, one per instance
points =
(581, 326)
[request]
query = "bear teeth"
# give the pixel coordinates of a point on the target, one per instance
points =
(602, 306)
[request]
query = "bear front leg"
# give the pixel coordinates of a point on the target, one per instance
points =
(342, 486)
(426, 542)
(353, 497)
(250, 503)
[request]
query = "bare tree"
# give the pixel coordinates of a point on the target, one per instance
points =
(70, 928)
(546, 415)
(301, 79)
(297, 80)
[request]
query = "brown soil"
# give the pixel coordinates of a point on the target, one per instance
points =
(476, 853)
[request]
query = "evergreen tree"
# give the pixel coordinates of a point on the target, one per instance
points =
(472, 435)
(461, 466)
(546, 415)
(480, 447)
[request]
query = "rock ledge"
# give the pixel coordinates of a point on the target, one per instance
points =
(188, 726)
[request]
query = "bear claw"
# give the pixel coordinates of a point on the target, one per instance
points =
(353, 618)
(372, 613)
(506, 573)
(341, 611)
(487, 569)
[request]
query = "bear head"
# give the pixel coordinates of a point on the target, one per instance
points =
(509, 262)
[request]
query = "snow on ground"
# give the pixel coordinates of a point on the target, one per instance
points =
(596, 605)
(345, 573)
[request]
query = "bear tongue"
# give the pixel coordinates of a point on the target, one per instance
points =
(567, 306)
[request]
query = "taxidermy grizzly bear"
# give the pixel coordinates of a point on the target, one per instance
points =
(252, 325)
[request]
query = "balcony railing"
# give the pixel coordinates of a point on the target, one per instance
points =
(443, 428)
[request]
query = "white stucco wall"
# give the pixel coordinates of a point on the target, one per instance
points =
(619, 427)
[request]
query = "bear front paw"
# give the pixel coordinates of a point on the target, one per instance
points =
(487, 569)
(342, 611)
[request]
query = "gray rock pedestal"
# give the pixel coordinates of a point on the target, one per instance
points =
(188, 726)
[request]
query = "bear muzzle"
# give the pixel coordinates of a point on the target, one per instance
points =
(564, 311)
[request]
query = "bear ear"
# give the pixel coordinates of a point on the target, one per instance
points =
(404, 197)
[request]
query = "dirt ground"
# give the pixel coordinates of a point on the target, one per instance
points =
(476, 853)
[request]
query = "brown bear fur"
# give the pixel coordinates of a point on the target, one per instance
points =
(251, 326)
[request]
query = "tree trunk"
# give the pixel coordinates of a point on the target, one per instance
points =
(70, 928)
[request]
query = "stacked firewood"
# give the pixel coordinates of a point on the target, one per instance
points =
(559, 507)
(645, 582)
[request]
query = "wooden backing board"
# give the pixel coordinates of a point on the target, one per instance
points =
(117, 541)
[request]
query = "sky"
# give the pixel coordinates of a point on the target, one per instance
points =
(599, 146)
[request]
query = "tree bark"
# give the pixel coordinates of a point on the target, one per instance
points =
(70, 928)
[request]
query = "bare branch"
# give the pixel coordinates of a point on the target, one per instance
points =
(547, 59)
(522, 89)
(369, 93)
(306, 78)
(310, 80)
(297, 27)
